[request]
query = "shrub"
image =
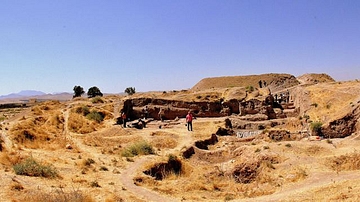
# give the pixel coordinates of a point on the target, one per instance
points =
(316, 127)
(30, 167)
(97, 100)
(84, 110)
(249, 89)
(306, 117)
(95, 116)
(288, 145)
(141, 148)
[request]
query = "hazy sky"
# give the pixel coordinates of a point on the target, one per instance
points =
(52, 46)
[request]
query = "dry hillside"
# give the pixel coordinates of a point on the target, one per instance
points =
(242, 147)
(273, 81)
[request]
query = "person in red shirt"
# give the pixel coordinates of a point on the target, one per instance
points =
(189, 118)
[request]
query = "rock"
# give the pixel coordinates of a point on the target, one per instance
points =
(68, 146)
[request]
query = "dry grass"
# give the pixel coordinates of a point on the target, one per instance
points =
(30, 167)
(332, 100)
(345, 162)
(42, 128)
(206, 176)
(58, 195)
(80, 124)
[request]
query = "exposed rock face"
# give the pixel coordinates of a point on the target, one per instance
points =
(170, 109)
(342, 127)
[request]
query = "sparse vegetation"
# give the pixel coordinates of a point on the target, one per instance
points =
(95, 116)
(141, 148)
(30, 167)
(233, 168)
(96, 100)
(59, 195)
(84, 110)
(316, 127)
(345, 162)
(249, 89)
(288, 145)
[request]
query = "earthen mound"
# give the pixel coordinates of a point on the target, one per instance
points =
(274, 81)
(315, 78)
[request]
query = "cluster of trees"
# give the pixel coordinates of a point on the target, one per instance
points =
(95, 91)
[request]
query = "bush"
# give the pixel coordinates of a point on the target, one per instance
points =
(97, 100)
(32, 168)
(141, 148)
(95, 116)
(84, 110)
(316, 127)
(249, 89)
(288, 145)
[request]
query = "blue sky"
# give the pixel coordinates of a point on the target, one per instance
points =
(154, 45)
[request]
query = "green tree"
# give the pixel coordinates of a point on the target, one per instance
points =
(78, 91)
(93, 92)
(130, 90)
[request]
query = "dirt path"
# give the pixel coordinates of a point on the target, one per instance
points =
(127, 176)
(141, 192)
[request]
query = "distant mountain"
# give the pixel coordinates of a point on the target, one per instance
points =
(24, 93)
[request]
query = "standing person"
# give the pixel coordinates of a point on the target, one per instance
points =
(161, 114)
(123, 116)
(260, 83)
(189, 118)
(146, 112)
